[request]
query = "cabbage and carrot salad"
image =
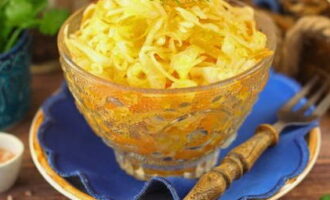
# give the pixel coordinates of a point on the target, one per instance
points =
(166, 43)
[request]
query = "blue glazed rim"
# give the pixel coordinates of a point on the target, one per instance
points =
(21, 43)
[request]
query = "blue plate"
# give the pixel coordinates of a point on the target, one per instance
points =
(78, 155)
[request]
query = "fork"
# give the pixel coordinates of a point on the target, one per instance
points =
(242, 158)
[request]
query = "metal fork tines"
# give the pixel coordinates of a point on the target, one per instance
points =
(317, 96)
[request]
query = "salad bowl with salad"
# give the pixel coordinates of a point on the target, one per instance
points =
(166, 84)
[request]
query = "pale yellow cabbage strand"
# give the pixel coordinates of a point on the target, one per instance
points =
(162, 44)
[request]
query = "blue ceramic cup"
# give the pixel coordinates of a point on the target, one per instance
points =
(15, 82)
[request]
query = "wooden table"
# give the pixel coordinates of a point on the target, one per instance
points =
(31, 186)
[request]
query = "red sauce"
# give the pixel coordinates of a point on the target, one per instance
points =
(5, 155)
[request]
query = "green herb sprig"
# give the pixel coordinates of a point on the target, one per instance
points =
(19, 15)
(325, 197)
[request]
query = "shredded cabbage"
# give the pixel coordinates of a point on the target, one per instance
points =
(166, 44)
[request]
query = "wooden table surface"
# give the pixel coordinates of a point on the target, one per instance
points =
(31, 186)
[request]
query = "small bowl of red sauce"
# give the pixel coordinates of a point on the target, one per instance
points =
(11, 153)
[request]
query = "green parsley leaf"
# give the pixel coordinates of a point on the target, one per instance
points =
(3, 3)
(18, 12)
(18, 15)
(52, 21)
(325, 197)
(5, 30)
(39, 5)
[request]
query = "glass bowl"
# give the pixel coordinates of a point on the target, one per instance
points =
(165, 132)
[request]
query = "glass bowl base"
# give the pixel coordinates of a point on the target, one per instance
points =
(143, 169)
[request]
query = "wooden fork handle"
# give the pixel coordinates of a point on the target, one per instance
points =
(238, 161)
